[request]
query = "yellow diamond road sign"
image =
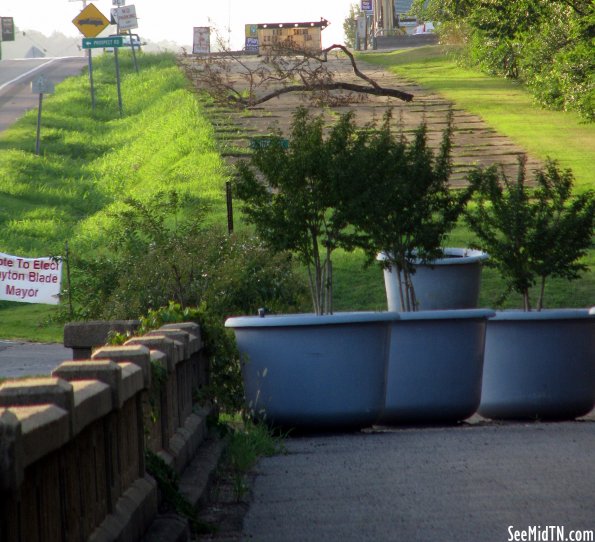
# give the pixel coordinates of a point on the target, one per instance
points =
(91, 22)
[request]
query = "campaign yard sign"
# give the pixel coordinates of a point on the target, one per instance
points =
(30, 280)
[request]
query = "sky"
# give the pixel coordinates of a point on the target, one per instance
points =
(174, 20)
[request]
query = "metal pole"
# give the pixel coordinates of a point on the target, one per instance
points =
(228, 197)
(133, 51)
(38, 140)
(118, 80)
(69, 281)
(90, 58)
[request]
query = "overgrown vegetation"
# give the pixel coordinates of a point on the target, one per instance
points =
(138, 199)
(546, 44)
(168, 482)
(153, 255)
(248, 442)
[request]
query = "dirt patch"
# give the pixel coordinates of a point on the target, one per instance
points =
(227, 504)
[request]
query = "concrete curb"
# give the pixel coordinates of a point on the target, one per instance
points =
(195, 483)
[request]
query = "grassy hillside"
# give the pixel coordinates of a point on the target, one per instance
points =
(90, 161)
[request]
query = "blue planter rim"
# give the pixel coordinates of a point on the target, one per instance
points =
(458, 256)
(547, 314)
(446, 314)
(309, 319)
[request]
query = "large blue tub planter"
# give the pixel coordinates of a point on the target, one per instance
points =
(314, 372)
(451, 282)
(435, 366)
(539, 365)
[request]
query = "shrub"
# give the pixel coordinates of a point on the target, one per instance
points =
(156, 256)
(225, 386)
(532, 234)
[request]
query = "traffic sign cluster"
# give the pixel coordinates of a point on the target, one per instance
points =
(91, 22)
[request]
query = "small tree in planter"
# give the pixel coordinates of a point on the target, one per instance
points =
(292, 202)
(532, 234)
(403, 205)
(537, 364)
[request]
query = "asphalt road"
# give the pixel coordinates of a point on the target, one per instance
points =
(16, 77)
(483, 482)
(19, 358)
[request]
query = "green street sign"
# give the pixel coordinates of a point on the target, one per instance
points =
(263, 142)
(101, 43)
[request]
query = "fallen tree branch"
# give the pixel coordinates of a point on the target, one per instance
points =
(356, 70)
(286, 66)
(352, 87)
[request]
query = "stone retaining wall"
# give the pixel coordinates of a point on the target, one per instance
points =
(72, 446)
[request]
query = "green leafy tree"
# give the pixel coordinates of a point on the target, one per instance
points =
(546, 44)
(403, 205)
(532, 234)
(442, 10)
(289, 195)
(350, 25)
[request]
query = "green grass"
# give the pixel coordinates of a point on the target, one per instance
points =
(503, 104)
(29, 322)
(91, 160)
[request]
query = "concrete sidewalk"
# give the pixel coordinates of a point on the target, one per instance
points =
(471, 483)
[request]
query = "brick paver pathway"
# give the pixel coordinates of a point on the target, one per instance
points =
(474, 141)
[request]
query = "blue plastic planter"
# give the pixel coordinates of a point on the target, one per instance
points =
(539, 365)
(452, 282)
(315, 372)
(435, 366)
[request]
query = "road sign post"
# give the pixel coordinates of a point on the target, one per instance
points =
(133, 50)
(118, 79)
(90, 22)
(90, 58)
(40, 86)
(101, 43)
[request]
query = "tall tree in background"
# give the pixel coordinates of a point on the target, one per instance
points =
(546, 44)
(350, 25)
